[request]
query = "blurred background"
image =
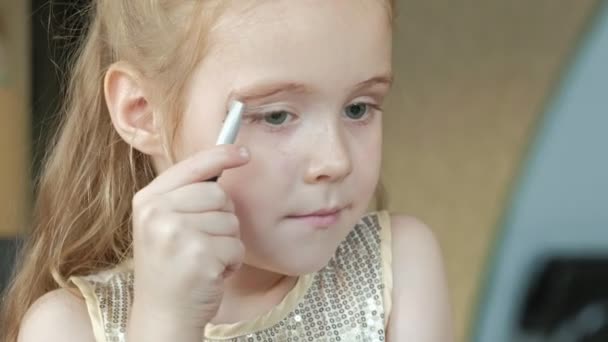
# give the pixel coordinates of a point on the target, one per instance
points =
(472, 77)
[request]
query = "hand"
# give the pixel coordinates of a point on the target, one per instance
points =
(186, 241)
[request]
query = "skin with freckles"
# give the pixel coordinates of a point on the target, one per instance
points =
(313, 125)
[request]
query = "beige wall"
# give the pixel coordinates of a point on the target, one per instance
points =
(471, 78)
(14, 118)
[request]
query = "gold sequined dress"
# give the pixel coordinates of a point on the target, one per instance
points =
(348, 300)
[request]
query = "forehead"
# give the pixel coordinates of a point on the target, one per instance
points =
(316, 39)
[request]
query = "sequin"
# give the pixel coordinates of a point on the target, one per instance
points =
(344, 301)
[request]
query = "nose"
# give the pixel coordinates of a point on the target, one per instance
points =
(330, 159)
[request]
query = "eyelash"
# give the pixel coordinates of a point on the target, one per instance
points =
(258, 118)
(372, 110)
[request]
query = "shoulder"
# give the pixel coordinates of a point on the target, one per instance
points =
(420, 304)
(411, 237)
(57, 316)
(417, 263)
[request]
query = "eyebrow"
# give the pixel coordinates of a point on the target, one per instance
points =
(263, 90)
(386, 80)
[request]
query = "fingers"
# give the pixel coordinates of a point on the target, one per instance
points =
(230, 253)
(198, 168)
(198, 198)
(213, 223)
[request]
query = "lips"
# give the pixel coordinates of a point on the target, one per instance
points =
(320, 212)
(319, 219)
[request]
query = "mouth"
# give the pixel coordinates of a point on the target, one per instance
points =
(321, 218)
(320, 212)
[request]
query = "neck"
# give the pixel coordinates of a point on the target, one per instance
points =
(251, 292)
(251, 281)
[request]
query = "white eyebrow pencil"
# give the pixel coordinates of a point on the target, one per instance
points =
(230, 128)
(232, 123)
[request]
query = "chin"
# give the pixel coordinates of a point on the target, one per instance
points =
(302, 264)
(304, 268)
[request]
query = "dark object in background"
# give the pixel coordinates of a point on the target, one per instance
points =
(568, 301)
(550, 263)
(8, 249)
(56, 27)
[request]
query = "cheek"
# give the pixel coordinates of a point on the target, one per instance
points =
(261, 182)
(273, 156)
(366, 151)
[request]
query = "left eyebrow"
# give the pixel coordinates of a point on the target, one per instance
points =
(263, 90)
(382, 79)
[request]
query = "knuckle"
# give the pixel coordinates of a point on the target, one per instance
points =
(166, 230)
(161, 235)
(227, 152)
(143, 213)
(197, 170)
(240, 250)
(137, 203)
(213, 271)
(218, 195)
(138, 198)
(233, 223)
(230, 204)
(197, 249)
(147, 211)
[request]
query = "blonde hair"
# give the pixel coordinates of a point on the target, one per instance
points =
(82, 214)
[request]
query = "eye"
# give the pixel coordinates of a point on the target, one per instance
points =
(276, 118)
(356, 111)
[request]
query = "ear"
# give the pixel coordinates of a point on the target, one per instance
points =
(132, 114)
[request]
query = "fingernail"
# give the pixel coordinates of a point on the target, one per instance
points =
(244, 152)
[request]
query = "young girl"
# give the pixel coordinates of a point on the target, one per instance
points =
(132, 242)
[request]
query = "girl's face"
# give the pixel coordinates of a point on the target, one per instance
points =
(312, 75)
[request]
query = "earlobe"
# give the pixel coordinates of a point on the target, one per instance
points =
(130, 110)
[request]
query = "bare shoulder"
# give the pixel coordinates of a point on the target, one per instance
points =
(57, 316)
(409, 231)
(421, 309)
(417, 257)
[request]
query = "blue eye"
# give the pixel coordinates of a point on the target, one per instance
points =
(356, 111)
(276, 118)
